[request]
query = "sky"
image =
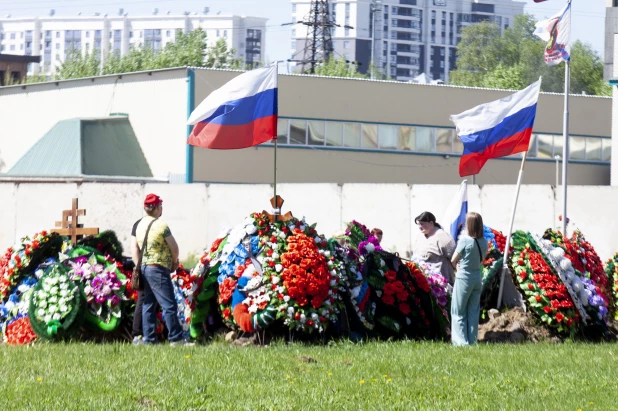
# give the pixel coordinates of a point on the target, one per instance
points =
(588, 15)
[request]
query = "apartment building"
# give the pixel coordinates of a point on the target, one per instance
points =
(405, 37)
(55, 37)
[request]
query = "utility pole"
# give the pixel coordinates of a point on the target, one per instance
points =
(376, 17)
(319, 45)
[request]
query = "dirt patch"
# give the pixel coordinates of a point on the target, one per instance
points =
(515, 326)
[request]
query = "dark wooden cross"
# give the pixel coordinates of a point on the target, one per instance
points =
(277, 202)
(69, 226)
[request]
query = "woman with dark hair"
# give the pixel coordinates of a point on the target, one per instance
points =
(435, 246)
(466, 302)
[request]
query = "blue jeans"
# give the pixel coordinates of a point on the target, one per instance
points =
(465, 309)
(158, 288)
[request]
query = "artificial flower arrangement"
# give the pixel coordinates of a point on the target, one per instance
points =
(594, 267)
(428, 281)
(23, 257)
(492, 267)
(281, 271)
(55, 304)
(611, 269)
(205, 276)
(102, 284)
(14, 321)
(562, 254)
(546, 295)
(185, 284)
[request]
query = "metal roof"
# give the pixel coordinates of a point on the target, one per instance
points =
(85, 147)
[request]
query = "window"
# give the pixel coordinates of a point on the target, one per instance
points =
(607, 150)
(483, 8)
(334, 132)
(28, 44)
(298, 132)
(224, 33)
(545, 144)
(444, 137)
(130, 34)
(293, 8)
(57, 34)
(168, 33)
(369, 137)
(315, 132)
(577, 148)
(351, 135)
(12, 36)
(282, 131)
(293, 44)
(347, 32)
(442, 51)
(593, 149)
(48, 33)
(12, 47)
(346, 44)
(87, 34)
(218, 33)
(388, 137)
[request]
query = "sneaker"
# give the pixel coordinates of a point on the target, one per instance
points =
(184, 343)
(137, 340)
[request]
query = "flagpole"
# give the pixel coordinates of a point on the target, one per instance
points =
(507, 245)
(565, 146)
(276, 203)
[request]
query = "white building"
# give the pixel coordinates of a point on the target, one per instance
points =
(411, 36)
(55, 37)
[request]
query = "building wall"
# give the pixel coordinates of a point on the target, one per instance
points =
(433, 25)
(392, 103)
(54, 38)
(196, 213)
(156, 105)
(611, 30)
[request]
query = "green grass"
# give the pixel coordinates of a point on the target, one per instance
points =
(372, 376)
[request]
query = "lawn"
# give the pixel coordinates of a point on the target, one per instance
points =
(371, 376)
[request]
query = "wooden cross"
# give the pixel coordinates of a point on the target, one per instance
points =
(70, 226)
(277, 202)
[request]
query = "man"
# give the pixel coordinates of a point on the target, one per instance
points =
(159, 260)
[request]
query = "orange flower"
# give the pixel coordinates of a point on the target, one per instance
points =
(226, 289)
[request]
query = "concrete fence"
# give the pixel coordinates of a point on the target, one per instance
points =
(196, 213)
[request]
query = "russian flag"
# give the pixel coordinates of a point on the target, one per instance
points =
(242, 113)
(497, 129)
(455, 216)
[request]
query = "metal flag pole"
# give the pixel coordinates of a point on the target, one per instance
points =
(565, 146)
(276, 212)
(505, 265)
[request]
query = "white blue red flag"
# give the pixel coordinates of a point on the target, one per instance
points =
(242, 113)
(455, 216)
(497, 129)
(557, 33)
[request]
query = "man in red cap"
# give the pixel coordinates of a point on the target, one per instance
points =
(159, 260)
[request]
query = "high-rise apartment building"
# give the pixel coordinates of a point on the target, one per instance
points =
(611, 36)
(55, 37)
(408, 37)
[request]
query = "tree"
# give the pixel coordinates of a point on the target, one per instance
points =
(79, 65)
(189, 50)
(220, 57)
(515, 60)
(338, 67)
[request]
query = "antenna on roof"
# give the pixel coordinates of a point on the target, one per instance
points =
(120, 11)
(155, 11)
(206, 10)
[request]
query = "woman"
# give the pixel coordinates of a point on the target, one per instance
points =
(466, 302)
(436, 246)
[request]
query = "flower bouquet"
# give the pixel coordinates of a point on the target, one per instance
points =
(55, 304)
(545, 293)
(492, 267)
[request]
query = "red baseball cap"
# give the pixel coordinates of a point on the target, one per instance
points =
(152, 200)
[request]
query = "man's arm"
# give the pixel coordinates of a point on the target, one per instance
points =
(134, 250)
(171, 243)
